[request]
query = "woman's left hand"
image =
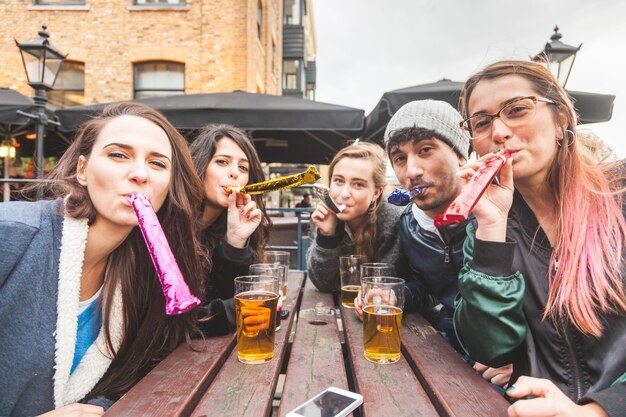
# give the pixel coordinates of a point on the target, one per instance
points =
(550, 401)
(497, 376)
(243, 219)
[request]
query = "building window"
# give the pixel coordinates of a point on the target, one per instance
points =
(158, 2)
(59, 2)
(292, 12)
(69, 88)
(158, 78)
(291, 74)
(259, 19)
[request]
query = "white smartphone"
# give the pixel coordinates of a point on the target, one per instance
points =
(332, 402)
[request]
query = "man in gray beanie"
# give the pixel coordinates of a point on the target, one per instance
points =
(427, 147)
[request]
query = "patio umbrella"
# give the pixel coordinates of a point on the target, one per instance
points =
(591, 107)
(285, 129)
(10, 102)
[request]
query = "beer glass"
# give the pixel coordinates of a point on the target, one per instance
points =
(279, 258)
(256, 299)
(350, 276)
(383, 303)
(377, 269)
(276, 271)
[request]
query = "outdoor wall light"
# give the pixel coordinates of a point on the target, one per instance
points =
(7, 152)
(7, 148)
(41, 60)
(558, 57)
(42, 63)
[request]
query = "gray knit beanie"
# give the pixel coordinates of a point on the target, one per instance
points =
(435, 115)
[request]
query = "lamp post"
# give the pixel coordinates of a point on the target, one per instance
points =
(558, 57)
(7, 152)
(42, 63)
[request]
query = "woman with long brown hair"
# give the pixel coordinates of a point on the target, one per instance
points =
(82, 310)
(232, 227)
(544, 285)
(368, 226)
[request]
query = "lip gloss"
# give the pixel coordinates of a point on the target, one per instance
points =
(462, 206)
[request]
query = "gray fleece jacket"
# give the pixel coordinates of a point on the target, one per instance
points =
(324, 251)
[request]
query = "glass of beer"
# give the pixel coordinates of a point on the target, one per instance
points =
(350, 275)
(279, 258)
(278, 272)
(256, 300)
(377, 269)
(383, 303)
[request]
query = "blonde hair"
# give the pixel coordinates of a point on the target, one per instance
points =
(365, 236)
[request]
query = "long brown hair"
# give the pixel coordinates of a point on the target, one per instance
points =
(149, 335)
(590, 225)
(365, 236)
(202, 150)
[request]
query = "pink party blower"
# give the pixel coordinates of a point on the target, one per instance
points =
(178, 298)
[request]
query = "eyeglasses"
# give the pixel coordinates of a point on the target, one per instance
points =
(515, 113)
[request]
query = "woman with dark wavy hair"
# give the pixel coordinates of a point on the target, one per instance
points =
(82, 311)
(232, 227)
(543, 284)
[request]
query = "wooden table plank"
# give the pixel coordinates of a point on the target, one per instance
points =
(247, 390)
(316, 361)
(388, 390)
(174, 387)
(453, 385)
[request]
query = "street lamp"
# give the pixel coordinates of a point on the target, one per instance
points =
(7, 152)
(42, 63)
(558, 57)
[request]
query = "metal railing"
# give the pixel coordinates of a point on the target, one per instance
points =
(302, 242)
(5, 190)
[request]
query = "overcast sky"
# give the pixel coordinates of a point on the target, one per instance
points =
(367, 47)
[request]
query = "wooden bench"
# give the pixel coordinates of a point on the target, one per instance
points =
(208, 376)
(388, 390)
(174, 387)
(453, 386)
(316, 361)
(314, 350)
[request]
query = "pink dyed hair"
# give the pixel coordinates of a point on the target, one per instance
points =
(591, 231)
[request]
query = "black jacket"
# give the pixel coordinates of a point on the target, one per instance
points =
(504, 290)
(434, 267)
(217, 311)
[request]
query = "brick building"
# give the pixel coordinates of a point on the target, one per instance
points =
(123, 49)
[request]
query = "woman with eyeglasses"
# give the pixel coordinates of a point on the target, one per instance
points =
(543, 284)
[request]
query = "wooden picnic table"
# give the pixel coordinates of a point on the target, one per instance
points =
(319, 345)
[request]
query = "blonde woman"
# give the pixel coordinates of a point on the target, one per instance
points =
(368, 225)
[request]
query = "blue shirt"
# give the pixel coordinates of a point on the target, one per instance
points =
(89, 323)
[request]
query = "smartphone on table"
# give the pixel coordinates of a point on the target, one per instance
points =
(332, 402)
